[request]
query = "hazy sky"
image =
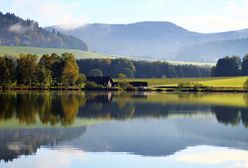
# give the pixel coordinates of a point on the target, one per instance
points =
(195, 15)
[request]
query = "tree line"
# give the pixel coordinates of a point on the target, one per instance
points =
(140, 69)
(64, 70)
(49, 70)
(231, 66)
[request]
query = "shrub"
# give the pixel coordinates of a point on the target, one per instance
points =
(245, 86)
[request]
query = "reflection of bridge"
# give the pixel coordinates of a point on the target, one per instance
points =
(15, 143)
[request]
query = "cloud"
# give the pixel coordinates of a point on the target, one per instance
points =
(18, 28)
(208, 155)
(231, 17)
(52, 12)
(211, 23)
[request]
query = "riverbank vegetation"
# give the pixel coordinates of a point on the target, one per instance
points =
(49, 70)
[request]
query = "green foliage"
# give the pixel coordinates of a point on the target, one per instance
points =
(7, 70)
(95, 73)
(245, 65)
(142, 69)
(194, 85)
(50, 70)
(128, 72)
(43, 76)
(123, 82)
(81, 80)
(228, 66)
(26, 69)
(70, 74)
(92, 85)
(245, 86)
(3, 71)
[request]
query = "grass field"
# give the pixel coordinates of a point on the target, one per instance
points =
(212, 82)
(15, 51)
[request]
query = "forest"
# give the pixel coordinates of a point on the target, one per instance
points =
(231, 66)
(141, 69)
(15, 31)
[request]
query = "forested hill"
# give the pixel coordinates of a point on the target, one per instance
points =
(15, 31)
(159, 40)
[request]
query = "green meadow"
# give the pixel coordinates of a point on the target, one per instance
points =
(15, 51)
(236, 82)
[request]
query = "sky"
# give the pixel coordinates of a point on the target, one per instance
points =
(196, 15)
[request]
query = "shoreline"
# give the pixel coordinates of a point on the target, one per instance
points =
(169, 89)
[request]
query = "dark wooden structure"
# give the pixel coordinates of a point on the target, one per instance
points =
(135, 84)
(139, 84)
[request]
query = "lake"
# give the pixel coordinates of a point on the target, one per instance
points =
(134, 130)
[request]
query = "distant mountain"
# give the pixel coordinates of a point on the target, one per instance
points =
(145, 39)
(158, 40)
(15, 31)
(212, 51)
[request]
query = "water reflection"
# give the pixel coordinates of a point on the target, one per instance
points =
(62, 108)
(137, 123)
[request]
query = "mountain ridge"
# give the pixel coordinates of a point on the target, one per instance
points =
(152, 39)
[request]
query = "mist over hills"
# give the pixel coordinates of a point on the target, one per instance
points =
(159, 40)
(15, 31)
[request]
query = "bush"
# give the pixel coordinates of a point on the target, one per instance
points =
(193, 85)
(91, 85)
(245, 86)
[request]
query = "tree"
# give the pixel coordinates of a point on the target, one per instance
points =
(228, 66)
(43, 75)
(11, 65)
(128, 72)
(123, 82)
(245, 86)
(56, 67)
(81, 79)
(95, 73)
(245, 65)
(70, 74)
(3, 71)
(26, 69)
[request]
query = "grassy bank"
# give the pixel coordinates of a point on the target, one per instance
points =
(232, 82)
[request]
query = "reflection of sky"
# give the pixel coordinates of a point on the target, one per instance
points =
(192, 157)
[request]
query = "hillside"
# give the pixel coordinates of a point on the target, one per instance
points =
(156, 40)
(144, 39)
(16, 50)
(212, 51)
(15, 31)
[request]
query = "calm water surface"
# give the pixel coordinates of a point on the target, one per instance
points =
(78, 129)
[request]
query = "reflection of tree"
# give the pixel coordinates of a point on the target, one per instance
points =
(47, 107)
(100, 105)
(7, 106)
(244, 117)
(54, 108)
(227, 115)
